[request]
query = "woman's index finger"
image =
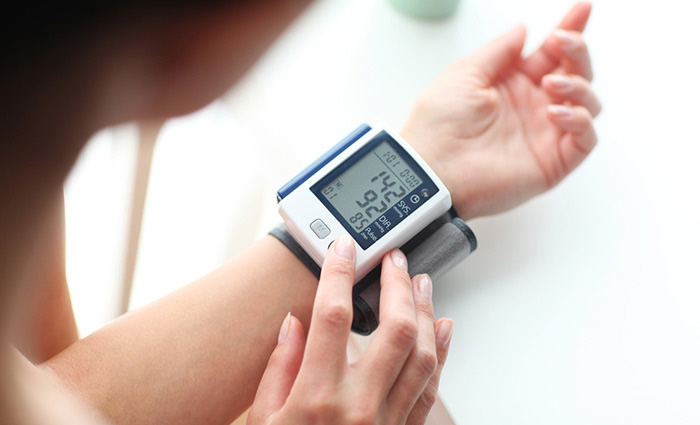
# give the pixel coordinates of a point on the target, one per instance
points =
(332, 312)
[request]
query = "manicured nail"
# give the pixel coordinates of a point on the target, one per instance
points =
(561, 111)
(444, 333)
(284, 329)
(345, 247)
(566, 39)
(425, 287)
(561, 83)
(399, 259)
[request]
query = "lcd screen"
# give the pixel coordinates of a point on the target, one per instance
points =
(374, 189)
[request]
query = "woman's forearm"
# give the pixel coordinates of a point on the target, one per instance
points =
(197, 355)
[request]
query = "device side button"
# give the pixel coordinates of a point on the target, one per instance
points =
(320, 228)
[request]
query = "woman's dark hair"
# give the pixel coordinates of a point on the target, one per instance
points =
(32, 28)
(41, 43)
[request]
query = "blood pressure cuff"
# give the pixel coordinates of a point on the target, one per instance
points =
(434, 251)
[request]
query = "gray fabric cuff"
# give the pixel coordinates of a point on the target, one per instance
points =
(435, 250)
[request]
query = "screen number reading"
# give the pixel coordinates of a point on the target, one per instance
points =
(369, 204)
(410, 179)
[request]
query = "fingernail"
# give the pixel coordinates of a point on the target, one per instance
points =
(561, 111)
(284, 330)
(566, 39)
(561, 83)
(425, 287)
(345, 247)
(444, 333)
(399, 259)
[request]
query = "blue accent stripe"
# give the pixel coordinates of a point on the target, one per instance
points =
(322, 161)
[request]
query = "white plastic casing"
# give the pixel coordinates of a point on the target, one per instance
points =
(301, 207)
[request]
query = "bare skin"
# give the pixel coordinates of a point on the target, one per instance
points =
(211, 312)
(47, 326)
(503, 121)
(197, 355)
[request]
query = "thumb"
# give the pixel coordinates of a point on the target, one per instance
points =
(281, 371)
(499, 54)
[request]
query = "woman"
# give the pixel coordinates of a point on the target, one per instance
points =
(497, 128)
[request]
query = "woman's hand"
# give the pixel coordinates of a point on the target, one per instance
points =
(396, 380)
(499, 129)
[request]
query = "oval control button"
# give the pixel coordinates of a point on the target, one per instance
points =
(320, 228)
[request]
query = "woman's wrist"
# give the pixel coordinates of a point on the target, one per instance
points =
(446, 173)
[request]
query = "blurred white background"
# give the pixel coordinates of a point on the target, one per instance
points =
(581, 306)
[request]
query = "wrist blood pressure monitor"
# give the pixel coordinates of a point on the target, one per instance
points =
(373, 186)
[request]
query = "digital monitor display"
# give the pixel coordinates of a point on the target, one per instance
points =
(375, 189)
